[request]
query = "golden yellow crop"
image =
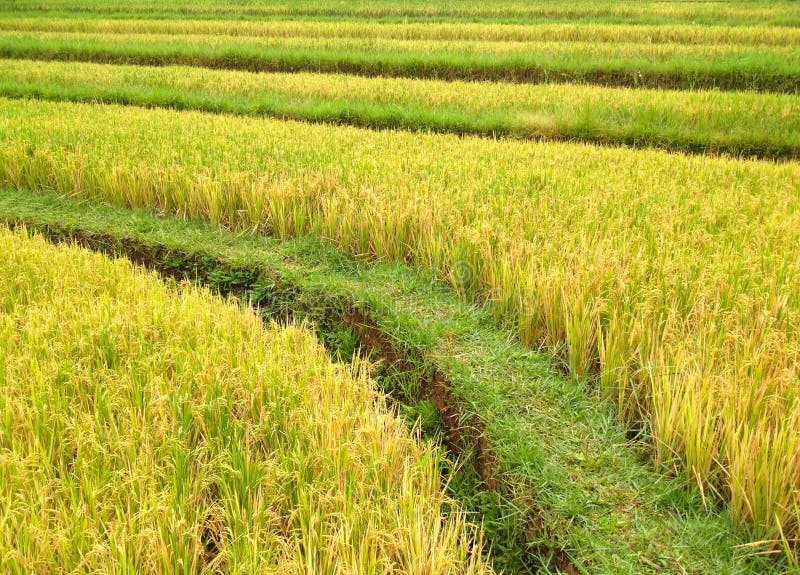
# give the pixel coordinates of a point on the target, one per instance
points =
(747, 123)
(541, 109)
(676, 279)
(571, 54)
(150, 429)
(556, 32)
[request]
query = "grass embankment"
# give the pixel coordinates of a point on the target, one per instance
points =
(737, 12)
(761, 125)
(550, 32)
(557, 485)
(736, 67)
(152, 430)
(673, 280)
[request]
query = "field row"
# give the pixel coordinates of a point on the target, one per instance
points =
(674, 279)
(736, 12)
(158, 431)
(536, 449)
(735, 67)
(763, 125)
(558, 32)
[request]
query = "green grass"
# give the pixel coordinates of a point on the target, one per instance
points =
(735, 12)
(564, 469)
(761, 125)
(762, 68)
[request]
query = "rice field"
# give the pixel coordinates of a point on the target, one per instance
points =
(675, 277)
(731, 12)
(448, 31)
(763, 68)
(158, 429)
(737, 123)
(617, 183)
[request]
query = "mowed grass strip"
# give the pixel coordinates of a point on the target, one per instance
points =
(550, 32)
(738, 123)
(761, 68)
(670, 280)
(737, 12)
(156, 430)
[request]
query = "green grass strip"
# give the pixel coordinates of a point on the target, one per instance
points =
(736, 12)
(729, 67)
(750, 124)
(557, 449)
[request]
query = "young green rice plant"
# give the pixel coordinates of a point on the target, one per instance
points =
(764, 125)
(673, 278)
(147, 428)
(659, 65)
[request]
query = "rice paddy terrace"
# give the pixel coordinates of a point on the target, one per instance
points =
(399, 287)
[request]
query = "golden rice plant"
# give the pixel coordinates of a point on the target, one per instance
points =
(756, 122)
(561, 32)
(147, 428)
(673, 280)
(568, 55)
